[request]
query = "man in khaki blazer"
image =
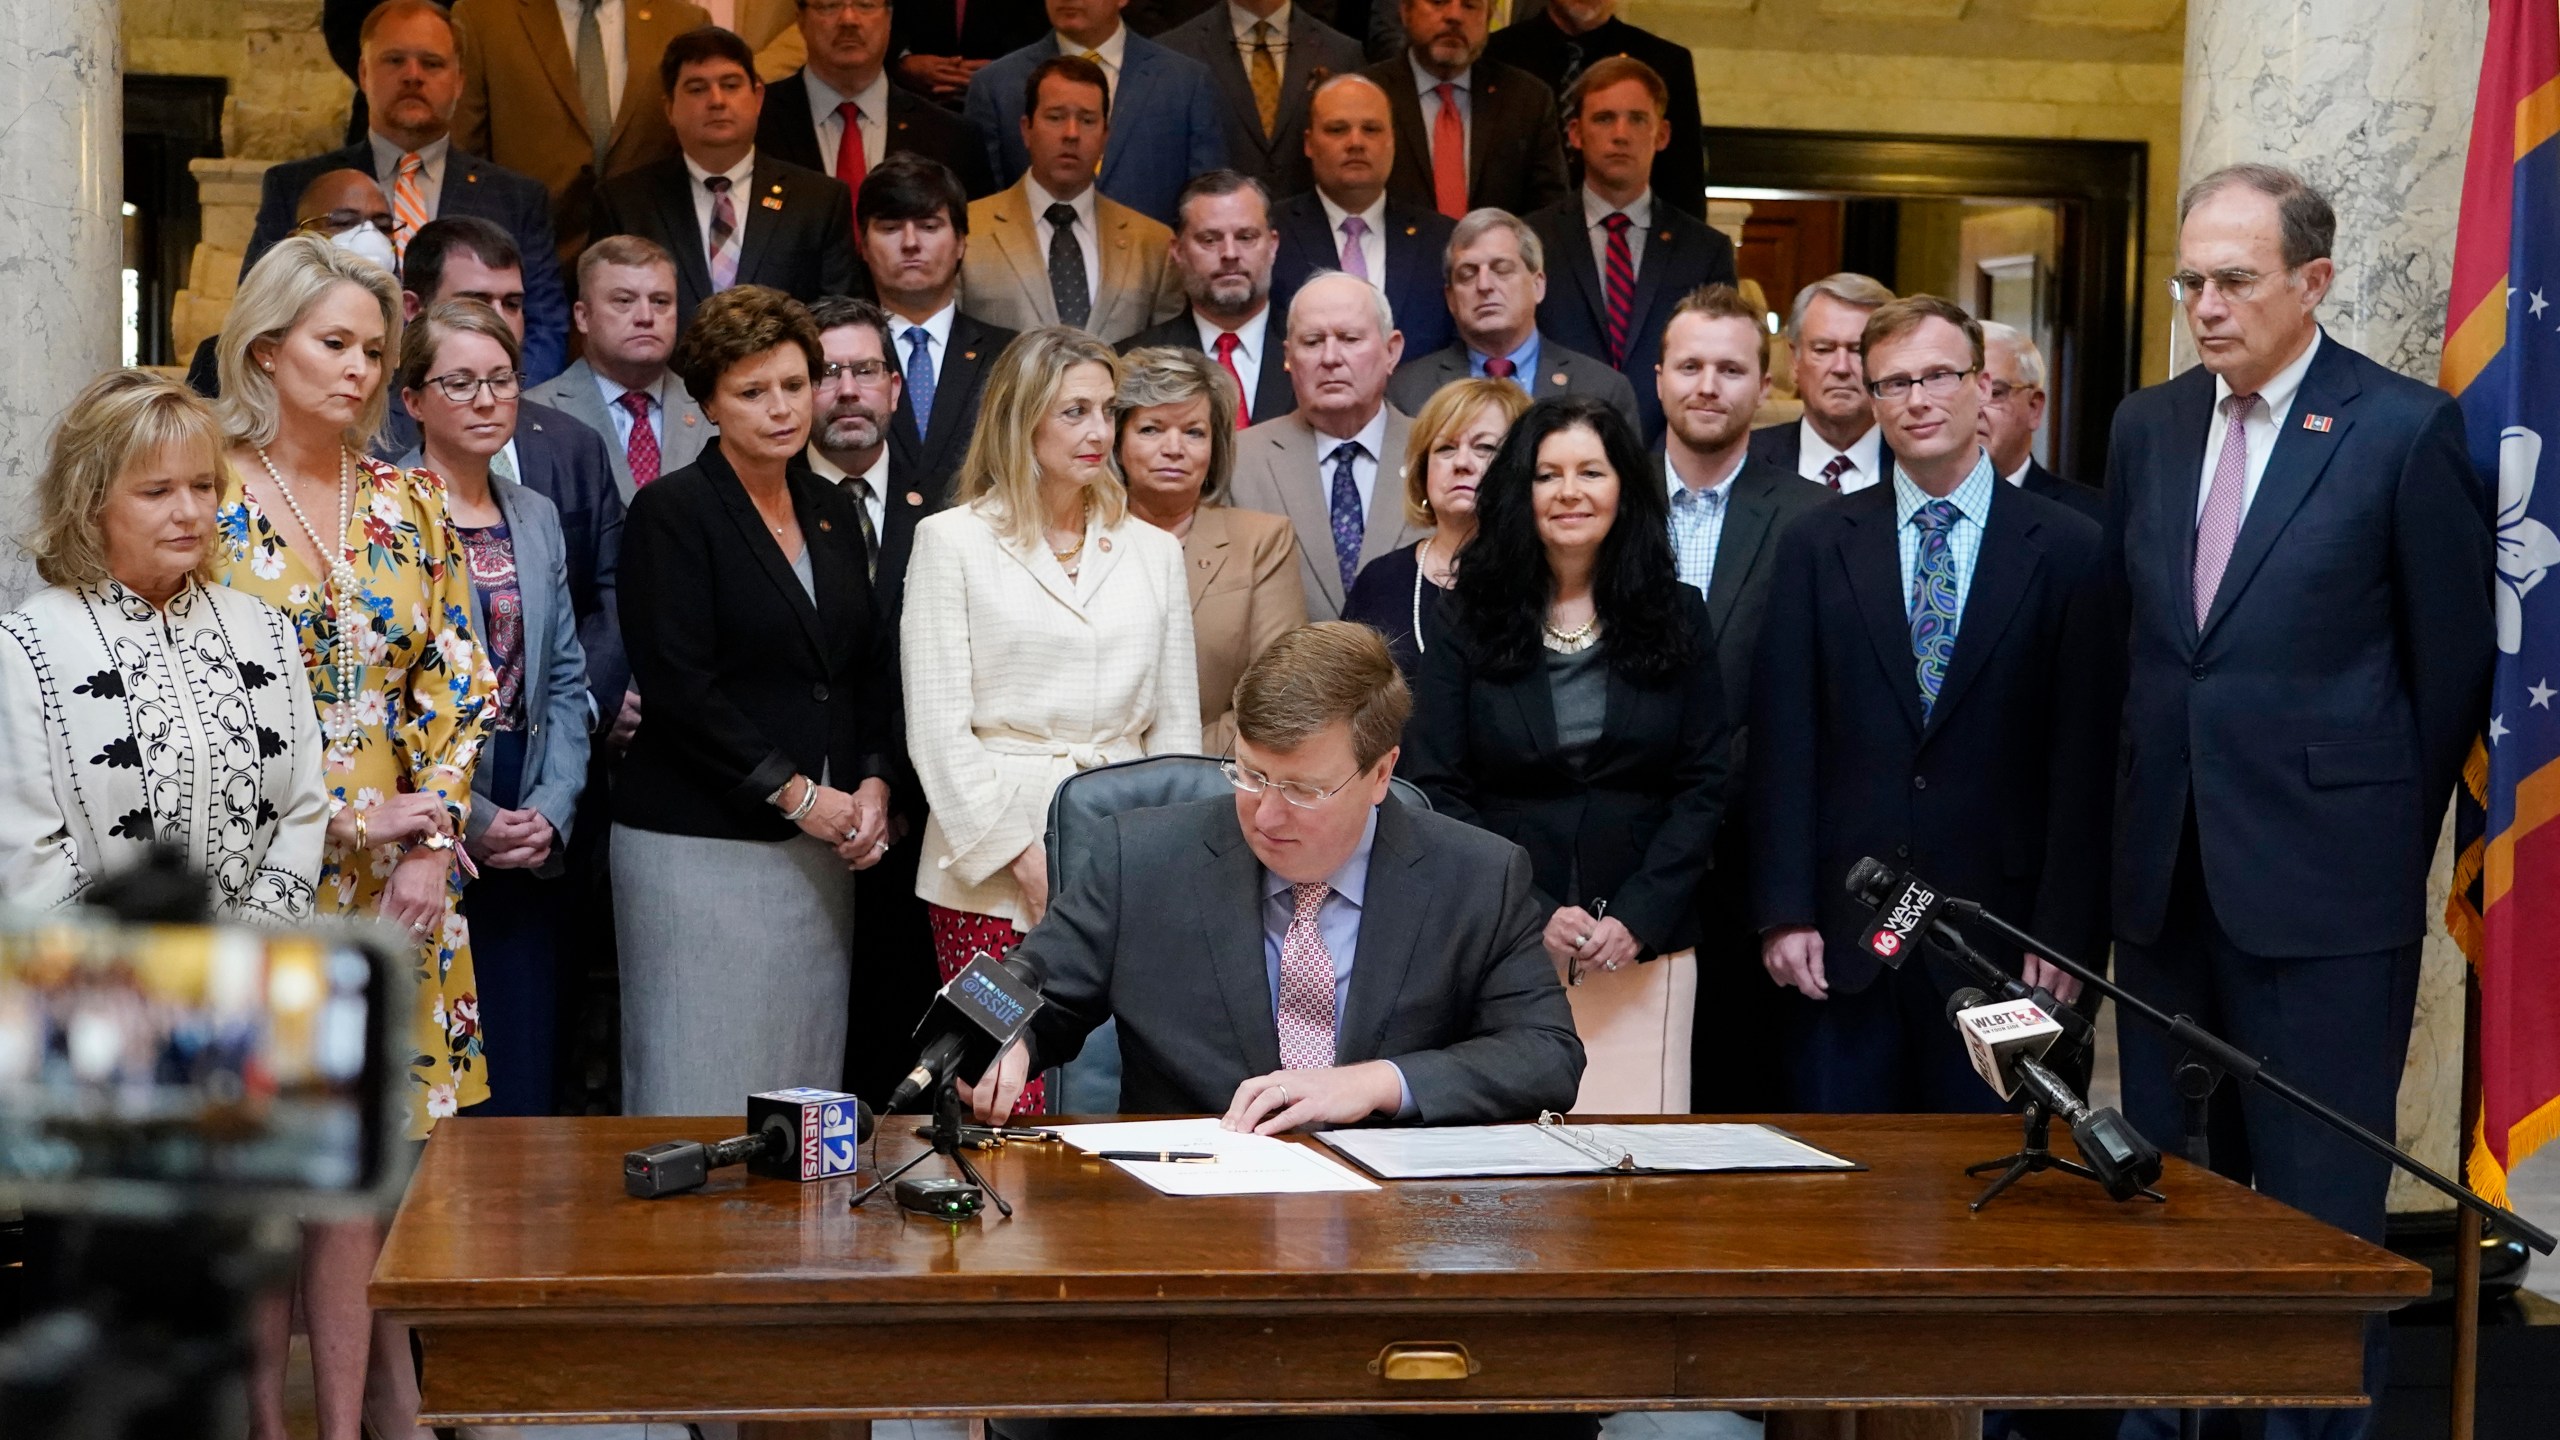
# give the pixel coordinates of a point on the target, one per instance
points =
(1118, 259)
(1341, 351)
(521, 105)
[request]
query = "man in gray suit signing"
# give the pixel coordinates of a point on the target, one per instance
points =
(1337, 956)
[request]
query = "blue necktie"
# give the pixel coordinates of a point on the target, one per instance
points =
(1348, 522)
(920, 378)
(1933, 599)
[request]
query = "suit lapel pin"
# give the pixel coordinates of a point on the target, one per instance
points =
(1556, 379)
(1106, 543)
(689, 419)
(773, 202)
(826, 525)
(1412, 229)
(470, 179)
(968, 354)
(914, 498)
(1665, 236)
(2320, 423)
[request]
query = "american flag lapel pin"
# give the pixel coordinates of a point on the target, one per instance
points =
(2320, 423)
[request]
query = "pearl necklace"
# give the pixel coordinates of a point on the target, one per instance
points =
(337, 590)
(1422, 577)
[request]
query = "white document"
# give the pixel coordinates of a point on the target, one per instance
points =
(1246, 1164)
(1552, 1148)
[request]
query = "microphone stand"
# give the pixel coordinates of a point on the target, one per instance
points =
(2034, 1155)
(946, 1132)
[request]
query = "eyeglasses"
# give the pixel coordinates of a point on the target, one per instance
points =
(2187, 287)
(2001, 390)
(1254, 782)
(830, 9)
(461, 389)
(865, 372)
(338, 222)
(1936, 384)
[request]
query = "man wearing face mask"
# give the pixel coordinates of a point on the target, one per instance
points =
(349, 208)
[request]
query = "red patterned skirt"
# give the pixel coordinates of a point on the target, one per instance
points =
(957, 935)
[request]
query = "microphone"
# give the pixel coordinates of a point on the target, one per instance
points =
(799, 1134)
(1908, 910)
(972, 1019)
(2007, 1041)
(1999, 1035)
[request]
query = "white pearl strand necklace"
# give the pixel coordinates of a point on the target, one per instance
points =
(338, 591)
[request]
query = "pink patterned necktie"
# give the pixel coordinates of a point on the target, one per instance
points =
(642, 450)
(2218, 529)
(724, 234)
(1306, 985)
(1355, 256)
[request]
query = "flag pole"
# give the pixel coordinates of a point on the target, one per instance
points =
(2463, 1409)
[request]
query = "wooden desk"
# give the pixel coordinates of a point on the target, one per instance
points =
(542, 1293)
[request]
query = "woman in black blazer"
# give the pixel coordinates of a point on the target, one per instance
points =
(1568, 701)
(759, 777)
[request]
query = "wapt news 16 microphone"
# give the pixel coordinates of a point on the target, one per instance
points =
(1903, 914)
(798, 1134)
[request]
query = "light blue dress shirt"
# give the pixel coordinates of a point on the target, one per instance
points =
(1524, 364)
(1697, 523)
(1338, 921)
(1964, 540)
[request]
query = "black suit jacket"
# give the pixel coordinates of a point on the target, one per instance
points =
(1450, 980)
(2316, 721)
(2089, 500)
(1783, 446)
(910, 499)
(1540, 46)
(788, 133)
(1764, 503)
(1676, 254)
(1515, 146)
(2001, 796)
(748, 682)
(992, 29)
(927, 462)
(1278, 160)
(1634, 825)
(1273, 396)
(1415, 240)
(798, 228)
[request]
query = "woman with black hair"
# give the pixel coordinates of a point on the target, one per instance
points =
(1568, 701)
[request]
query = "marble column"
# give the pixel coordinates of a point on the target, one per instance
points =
(61, 234)
(2371, 100)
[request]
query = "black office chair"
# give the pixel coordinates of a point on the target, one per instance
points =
(1090, 1083)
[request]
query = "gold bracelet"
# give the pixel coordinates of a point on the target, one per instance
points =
(360, 831)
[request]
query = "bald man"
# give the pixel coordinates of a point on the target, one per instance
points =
(1349, 222)
(350, 209)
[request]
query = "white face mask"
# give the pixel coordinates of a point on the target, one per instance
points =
(369, 242)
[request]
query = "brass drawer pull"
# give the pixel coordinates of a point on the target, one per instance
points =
(1425, 1360)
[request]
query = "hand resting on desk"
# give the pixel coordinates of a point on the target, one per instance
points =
(1263, 1105)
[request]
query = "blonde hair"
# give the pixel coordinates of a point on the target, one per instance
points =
(122, 419)
(1450, 407)
(278, 292)
(1317, 674)
(1170, 375)
(998, 474)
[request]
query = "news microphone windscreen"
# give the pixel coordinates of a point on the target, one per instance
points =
(812, 1134)
(1997, 1036)
(986, 1005)
(1901, 920)
(1869, 879)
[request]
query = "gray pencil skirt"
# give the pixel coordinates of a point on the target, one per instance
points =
(736, 964)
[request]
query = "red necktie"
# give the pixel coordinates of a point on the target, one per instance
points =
(642, 452)
(1499, 367)
(1622, 287)
(1227, 343)
(1832, 472)
(1449, 156)
(851, 167)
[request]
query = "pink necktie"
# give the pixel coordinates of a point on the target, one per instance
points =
(724, 234)
(642, 451)
(2219, 528)
(1306, 985)
(1355, 256)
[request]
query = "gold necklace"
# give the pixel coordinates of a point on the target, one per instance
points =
(1568, 642)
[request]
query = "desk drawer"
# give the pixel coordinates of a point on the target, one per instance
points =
(1507, 1356)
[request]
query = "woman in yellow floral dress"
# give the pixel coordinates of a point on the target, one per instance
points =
(364, 559)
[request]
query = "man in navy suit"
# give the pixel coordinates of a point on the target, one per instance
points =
(1936, 688)
(805, 120)
(412, 79)
(1350, 223)
(2307, 557)
(1224, 248)
(1837, 441)
(1247, 39)
(2014, 412)
(1618, 258)
(1564, 43)
(1164, 125)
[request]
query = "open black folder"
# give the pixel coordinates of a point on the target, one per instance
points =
(1554, 1147)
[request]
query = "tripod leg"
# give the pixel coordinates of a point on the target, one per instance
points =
(969, 1170)
(2019, 1165)
(875, 1186)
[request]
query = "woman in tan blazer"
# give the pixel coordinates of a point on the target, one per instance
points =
(1046, 630)
(1177, 425)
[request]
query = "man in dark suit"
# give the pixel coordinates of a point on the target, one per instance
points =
(939, 45)
(914, 229)
(2308, 560)
(1471, 133)
(1343, 955)
(806, 122)
(728, 215)
(1935, 688)
(1223, 246)
(2011, 417)
(1727, 514)
(1496, 276)
(1264, 68)
(1837, 441)
(1164, 125)
(1561, 43)
(1618, 260)
(1349, 222)
(411, 78)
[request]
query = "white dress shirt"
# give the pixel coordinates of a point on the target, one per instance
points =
(2265, 423)
(1244, 20)
(872, 100)
(1373, 246)
(1430, 91)
(1372, 440)
(1248, 357)
(431, 157)
(1108, 55)
(617, 56)
(937, 341)
(613, 390)
(1088, 234)
(741, 197)
(1595, 210)
(875, 499)
(1866, 457)
(2018, 477)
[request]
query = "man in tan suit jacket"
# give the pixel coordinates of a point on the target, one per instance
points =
(1341, 351)
(1024, 269)
(522, 107)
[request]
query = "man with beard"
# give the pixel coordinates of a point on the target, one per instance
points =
(858, 392)
(1837, 441)
(1727, 511)
(1223, 248)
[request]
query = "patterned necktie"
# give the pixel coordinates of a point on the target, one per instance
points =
(920, 377)
(1621, 286)
(1355, 256)
(1067, 284)
(1500, 367)
(642, 449)
(1349, 525)
(1832, 472)
(408, 201)
(852, 163)
(860, 489)
(595, 90)
(1305, 1011)
(1227, 343)
(2218, 529)
(1264, 73)
(1933, 599)
(1449, 156)
(724, 234)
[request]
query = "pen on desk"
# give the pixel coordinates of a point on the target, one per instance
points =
(1161, 1157)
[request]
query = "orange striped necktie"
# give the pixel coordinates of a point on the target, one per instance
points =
(408, 200)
